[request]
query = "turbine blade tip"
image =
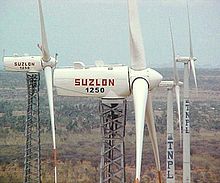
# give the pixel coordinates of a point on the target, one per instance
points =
(55, 157)
(159, 176)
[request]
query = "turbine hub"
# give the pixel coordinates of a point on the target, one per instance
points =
(152, 77)
(51, 63)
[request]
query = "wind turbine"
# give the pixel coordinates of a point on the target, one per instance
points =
(188, 64)
(118, 81)
(36, 64)
(172, 86)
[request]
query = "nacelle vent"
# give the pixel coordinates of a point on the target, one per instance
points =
(78, 65)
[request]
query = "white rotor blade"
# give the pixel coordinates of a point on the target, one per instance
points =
(176, 76)
(192, 64)
(177, 91)
(140, 92)
(44, 48)
(153, 134)
(48, 77)
(138, 61)
(190, 37)
(176, 79)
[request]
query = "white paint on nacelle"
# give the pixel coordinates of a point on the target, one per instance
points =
(184, 59)
(169, 84)
(23, 63)
(113, 81)
(100, 82)
(27, 63)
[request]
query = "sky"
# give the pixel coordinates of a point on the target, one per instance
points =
(90, 30)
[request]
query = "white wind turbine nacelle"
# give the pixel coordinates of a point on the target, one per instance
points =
(169, 84)
(108, 81)
(26, 63)
(182, 59)
(99, 82)
(23, 63)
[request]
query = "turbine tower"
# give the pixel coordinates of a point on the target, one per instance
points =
(171, 86)
(188, 64)
(32, 162)
(118, 81)
(113, 121)
(33, 65)
(170, 173)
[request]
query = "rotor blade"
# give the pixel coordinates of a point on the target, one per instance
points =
(176, 76)
(152, 134)
(192, 64)
(140, 92)
(48, 77)
(138, 61)
(177, 91)
(190, 37)
(44, 48)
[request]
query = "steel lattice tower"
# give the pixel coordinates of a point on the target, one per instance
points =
(32, 162)
(113, 121)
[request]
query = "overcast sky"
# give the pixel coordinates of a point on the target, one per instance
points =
(89, 30)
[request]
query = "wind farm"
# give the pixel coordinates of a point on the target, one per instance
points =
(112, 85)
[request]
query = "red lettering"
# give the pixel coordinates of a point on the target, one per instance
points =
(111, 82)
(91, 82)
(84, 82)
(77, 82)
(94, 82)
(104, 82)
(97, 82)
(24, 64)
